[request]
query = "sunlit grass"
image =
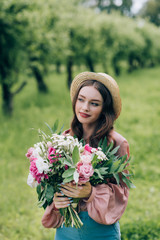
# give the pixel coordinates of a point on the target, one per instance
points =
(138, 123)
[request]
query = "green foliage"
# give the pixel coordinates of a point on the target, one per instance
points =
(75, 155)
(112, 168)
(151, 11)
(35, 36)
(13, 34)
(124, 6)
(139, 230)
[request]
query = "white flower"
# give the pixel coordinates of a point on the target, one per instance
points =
(38, 149)
(49, 144)
(31, 181)
(94, 150)
(42, 165)
(101, 155)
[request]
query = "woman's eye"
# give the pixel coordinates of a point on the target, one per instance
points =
(80, 99)
(94, 104)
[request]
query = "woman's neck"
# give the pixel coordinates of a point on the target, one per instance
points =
(88, 130)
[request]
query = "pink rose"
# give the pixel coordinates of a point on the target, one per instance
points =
(87, 149)
(53, 156)
(29, 153)
(85, 171)
(86, 158)
(34, 171)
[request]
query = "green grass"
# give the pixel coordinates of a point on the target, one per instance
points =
(139, 123)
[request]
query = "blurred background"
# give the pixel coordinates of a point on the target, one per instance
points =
(43, 45)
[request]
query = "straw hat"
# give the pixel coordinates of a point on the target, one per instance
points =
(105, 79)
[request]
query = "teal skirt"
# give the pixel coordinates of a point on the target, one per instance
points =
(90, 230)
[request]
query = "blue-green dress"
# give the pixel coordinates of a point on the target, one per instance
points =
(90, 230)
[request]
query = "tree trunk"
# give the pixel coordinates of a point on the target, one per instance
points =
(7, 98)
(116, 67)
(58, 67)
(42, 87)
(90, 63)
(69, 71)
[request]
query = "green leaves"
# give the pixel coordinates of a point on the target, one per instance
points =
(68, 173)
(49, 193)
(101, 172)
(75, 155)
(112, 168)
(127, 181)
(54, 129)
(45, 195)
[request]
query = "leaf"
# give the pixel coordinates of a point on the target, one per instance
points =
(116, 176)
(121, 168)
(94, 161)
(114, 150)
(39, 189)
(82, 141)
(76, 176)
(41, 203)
(55, 126)
(68, 179)
(114, 167)
(49, 127)
(61, 130)
(75, 155)
(100, 143)
(66, 162)
(49, 193)
(98, 172)
(109, 148)
(103, 170)
(104, 145)
(69, 172)
(127, 182)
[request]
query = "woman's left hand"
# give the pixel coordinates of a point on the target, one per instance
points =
(76, 191)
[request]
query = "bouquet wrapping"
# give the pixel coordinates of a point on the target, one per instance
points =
(59, 158)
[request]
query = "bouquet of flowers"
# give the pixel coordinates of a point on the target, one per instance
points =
(59, 158)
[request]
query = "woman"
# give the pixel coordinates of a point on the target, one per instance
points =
(96, 105)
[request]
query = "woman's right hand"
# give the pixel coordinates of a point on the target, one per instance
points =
(61, 201)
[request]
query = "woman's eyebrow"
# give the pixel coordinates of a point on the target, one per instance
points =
(95, 100)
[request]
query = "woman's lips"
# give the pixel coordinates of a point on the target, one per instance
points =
(84, 115)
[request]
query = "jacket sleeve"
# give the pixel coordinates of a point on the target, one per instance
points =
(52, 218)
(108, 202)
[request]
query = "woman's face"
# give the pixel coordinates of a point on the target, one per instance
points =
(89, 105)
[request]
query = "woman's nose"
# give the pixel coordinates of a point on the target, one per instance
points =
(85, 106)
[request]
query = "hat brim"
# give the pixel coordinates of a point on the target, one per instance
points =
(106, 80)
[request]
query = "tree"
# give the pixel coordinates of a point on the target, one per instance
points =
(151, 11)
(123, 6)
(12, 37)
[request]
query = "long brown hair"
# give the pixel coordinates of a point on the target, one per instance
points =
(106, 118)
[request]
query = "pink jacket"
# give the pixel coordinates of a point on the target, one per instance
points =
(107, 202)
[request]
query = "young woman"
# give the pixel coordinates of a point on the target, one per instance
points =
(96, 105)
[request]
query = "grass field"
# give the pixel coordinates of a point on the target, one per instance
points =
(139, 123)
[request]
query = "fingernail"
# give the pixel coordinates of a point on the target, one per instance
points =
(68, 204)
(70, 198)
(61, 192)
(71, 201)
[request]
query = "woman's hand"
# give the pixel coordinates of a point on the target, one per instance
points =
(61, 201)
(74, 191)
